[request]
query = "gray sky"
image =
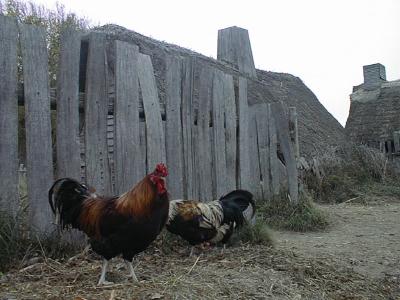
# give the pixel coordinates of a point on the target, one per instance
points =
(325, 43)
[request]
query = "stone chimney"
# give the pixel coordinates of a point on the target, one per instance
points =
(234, 47)
(374, 75)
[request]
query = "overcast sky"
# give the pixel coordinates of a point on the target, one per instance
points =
(325, 43)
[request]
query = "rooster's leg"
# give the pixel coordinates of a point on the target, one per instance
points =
(102, 279)
(191, 251)
(131, 270)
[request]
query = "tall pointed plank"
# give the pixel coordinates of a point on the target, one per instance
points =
(230, 132)
(294, 131)
(38, 127)
(218, 139)
(98, 172)
(282, 122)
(261, 116)
(203, 149)
(143, 149)
(187, 129)
(68, 145)
(8, 116)
(127, 154)
(255, 172)
(174, 147)
(273, 158)
(244, 176)
(151, 105)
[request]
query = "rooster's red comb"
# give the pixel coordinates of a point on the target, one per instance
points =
(161, 169)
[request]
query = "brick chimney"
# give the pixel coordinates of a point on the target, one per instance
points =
(374, 75)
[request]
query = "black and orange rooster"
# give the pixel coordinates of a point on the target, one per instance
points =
(124, 224)
(210, 222)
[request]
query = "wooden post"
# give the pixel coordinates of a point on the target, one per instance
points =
(8, 116)
(218, 145)
(174, 147)
(127, 154)
(255, 173)
(189, 178)
(244, 178)
(262, 122)
(154, 129)
(38, 126)
(68, 145)
(273, 158)
(282, 124)
(294, 131)
(230, 132)
(203, 153)
(234, 47)
(98, 172)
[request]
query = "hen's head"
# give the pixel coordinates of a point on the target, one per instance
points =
(157, 178)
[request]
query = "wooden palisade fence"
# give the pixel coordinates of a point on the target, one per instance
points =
(210, 138)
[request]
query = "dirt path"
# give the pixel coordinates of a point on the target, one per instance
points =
(358, 258)
(367, 238)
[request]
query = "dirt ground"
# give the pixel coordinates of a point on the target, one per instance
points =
(358, 257)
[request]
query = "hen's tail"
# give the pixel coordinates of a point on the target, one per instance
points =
(238, 206)
(66, 196)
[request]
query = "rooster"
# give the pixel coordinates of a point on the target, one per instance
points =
(211, 222)
(124, 224)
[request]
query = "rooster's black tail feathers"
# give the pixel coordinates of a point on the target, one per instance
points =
(238, 206)
(65, 198)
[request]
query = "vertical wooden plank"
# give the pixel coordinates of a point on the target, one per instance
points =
(143, 149)
(255, 173)
(68, 145)
(187, 129)
(230, 132)
(262, 121)
(294, 131)
(218, 140)
(38, 126)
(8, 116)
(151, 104)
(244, 176)
(282, 123)
(173, 141)
(98, 172)
(273, 158)
(396, 138)
(127, 154)
(203, 153)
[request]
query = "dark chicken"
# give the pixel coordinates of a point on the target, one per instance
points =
(124, 224)
(214, 222)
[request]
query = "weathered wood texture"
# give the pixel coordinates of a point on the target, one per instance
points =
(98, 172)
(294, 131)
(262, 128)
(154, 129)
(244, 176)
(67, 128)
(127, 154)
(8, 116)
(281, 119)
(234, 47)
(230, 132)
(38, 126)
(203, 143)
(255, 173)
(273, 158)
(218, 137)
(173, 140)
(189, 178)
(396, 138)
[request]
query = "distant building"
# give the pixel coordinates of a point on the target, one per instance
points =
(374, 117)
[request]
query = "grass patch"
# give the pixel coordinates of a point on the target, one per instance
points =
(258, 233)
(305, 216)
